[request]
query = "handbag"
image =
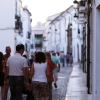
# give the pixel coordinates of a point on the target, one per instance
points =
(50, 79)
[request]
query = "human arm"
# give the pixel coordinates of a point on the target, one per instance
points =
(32, 70)
(25, 69)
(47, 71)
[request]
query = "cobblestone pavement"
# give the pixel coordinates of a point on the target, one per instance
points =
(63, 78)
(60, 92)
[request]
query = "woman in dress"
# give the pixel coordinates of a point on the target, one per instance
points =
(40, 72)
(2, 71)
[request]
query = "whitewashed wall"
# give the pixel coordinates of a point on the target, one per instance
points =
(7, 25)
(59, 43)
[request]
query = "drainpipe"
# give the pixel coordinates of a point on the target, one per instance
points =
(88, 49)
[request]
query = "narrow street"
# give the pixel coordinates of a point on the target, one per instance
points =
(60, 92)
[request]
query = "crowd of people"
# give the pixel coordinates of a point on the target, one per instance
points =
(34, 76)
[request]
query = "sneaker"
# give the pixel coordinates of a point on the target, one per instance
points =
(55, 85)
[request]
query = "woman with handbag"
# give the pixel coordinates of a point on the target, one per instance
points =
(51, 66)
(2, 65)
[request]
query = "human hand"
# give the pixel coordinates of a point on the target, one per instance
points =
(27, 86)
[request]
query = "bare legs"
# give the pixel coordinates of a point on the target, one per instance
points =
(3, 92)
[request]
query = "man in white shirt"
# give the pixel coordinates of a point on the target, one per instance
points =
(17, 69)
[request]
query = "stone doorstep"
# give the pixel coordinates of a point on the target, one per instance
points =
(75, 81)
(78, 87)
(75, 98)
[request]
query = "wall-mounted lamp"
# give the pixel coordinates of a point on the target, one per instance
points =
(75, 17)
(75, 4)
(78, 31)
(55, 29)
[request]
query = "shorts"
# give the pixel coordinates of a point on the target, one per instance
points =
(55, 74)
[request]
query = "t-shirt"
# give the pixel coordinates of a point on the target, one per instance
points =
(67, 56)
(16, 64)
(56, 61)
(51, 66)
(31, 61)
(62, 56)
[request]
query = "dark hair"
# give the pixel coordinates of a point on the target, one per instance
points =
(53, 53)
(58, 53)
(1, 58)
(40, 57)
(19, 47)
(70, 53)
(48, 55)
(25, 56)
(8, 47)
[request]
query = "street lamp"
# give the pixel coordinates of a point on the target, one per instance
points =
(75, 4)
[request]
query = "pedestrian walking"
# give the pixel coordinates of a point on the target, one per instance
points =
(62, 58)
(58, 56)
(6, 56)
(67, 58)
(39, 72)
(17, 69)
(57, 69)
(2, 66)
(31, 60)
(71, 59)
(51, 66)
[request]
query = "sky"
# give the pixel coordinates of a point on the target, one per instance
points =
(41, 9)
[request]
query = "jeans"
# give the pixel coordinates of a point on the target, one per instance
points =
(63, 61)
(67, 61)
(16, 84)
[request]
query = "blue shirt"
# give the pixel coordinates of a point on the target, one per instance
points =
(56, 61)
(62, 56)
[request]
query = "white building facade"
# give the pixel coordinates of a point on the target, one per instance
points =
(62, 34)
(89, 10)
(25, 36)
(37, 38)
(11, 9)
(12, 27)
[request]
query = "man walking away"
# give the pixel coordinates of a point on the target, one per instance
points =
(67, 58)
(6, 56)
(17, 68)
(57, 69)
(62, 57)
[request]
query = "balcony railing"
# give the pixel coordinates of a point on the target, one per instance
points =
(28, 35)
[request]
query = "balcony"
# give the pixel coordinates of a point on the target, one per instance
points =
(18, 25)
(28, 35)
(82, 7)
(38, 45)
